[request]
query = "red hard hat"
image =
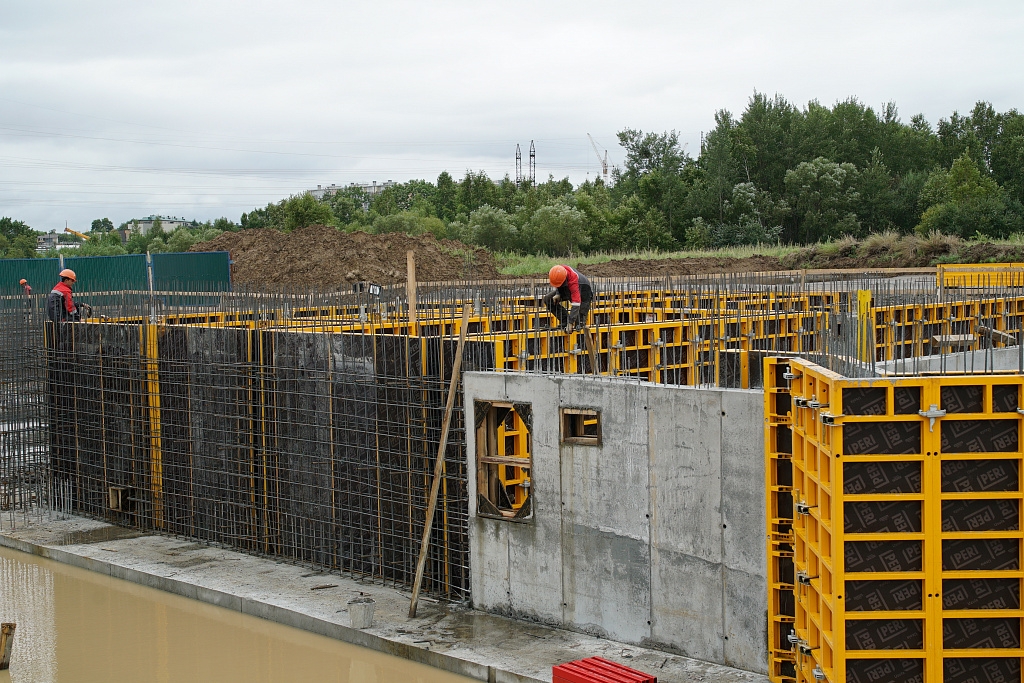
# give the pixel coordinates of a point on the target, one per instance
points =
(68, 273)
(23, 281)
(557, 275)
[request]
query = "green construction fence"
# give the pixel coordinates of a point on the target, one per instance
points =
(188, 271)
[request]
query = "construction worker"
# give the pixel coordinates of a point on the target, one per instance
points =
(60, 306)
(25, 286)
(572, 286)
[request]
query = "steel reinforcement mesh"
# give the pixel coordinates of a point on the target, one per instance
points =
(312, 447)
(304, 424)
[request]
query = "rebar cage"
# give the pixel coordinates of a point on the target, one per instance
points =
(303, 425)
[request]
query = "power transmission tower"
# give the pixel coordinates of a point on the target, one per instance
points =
(533, 165)
(519, 166)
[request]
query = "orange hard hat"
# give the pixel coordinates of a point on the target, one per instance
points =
(557, 275)
(68, 273)
(22, 281)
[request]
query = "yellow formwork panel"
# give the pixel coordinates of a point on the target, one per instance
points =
(513, 441)
(779, 498)
(980, 275)
(906, 527)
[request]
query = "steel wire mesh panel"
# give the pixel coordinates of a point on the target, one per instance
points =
(24, 449)
(316, 448)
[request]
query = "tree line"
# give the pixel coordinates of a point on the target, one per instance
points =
(776, 173)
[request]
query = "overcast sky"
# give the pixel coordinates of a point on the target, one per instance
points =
(209, 108)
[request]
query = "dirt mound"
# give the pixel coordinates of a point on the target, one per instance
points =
(325, 256)
(680, 266)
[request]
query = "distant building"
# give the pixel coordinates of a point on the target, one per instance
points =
(55, 240)
(47, 241)
(167, 223)
(373, 189)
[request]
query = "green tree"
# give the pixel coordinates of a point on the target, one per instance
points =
(11, 229)
(20, 246)
(304, 210)
(446, 196)
(639, 228)
(654, 171)
(824, 198)
(964, 201)
(492, 228)
(409, 222)
(349, 206)
(103, 244)
(224, 225)
(101, 225)
(875, 186)
(556, 229)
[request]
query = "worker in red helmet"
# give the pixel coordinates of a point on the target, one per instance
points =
(25, 287)
(60, 305)
(571, 286)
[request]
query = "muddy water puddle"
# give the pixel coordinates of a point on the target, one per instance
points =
(77, 626)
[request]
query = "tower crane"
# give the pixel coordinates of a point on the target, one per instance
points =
(75, 232)
(602, 161)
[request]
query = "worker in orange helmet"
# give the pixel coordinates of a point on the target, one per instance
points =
(25, 287)
(572, 286)
(60, 306)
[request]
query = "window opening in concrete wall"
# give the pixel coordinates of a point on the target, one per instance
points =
(581, 426)
(504, 461)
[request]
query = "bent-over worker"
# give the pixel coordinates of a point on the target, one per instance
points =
(572, 286)
(60, 305)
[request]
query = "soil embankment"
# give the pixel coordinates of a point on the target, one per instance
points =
(325, 256)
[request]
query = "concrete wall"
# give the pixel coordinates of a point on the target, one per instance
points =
(1007, 359)
(656, 537)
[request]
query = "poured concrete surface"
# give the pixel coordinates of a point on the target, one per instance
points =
(463, 641)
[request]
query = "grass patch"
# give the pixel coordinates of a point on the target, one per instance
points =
(877, 250)
(510, 263)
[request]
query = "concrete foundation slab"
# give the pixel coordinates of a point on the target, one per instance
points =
(451, 637)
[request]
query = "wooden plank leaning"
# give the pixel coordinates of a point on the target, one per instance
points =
(435, 487)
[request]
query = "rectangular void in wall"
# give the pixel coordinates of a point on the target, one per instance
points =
(581, 426)
(504, 461)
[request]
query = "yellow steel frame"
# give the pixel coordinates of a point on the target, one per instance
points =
(779, 499)
(822, 513)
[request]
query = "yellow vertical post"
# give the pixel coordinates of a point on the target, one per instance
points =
(156, 468)
(410, 289)
(865, 326)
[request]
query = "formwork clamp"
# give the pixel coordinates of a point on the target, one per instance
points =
(803, 508)
(829, 420)
(814, 403)
(933, 413)
(803, 579)
(800, 401)
(791, 375)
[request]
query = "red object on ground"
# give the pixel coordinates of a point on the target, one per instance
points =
(598, 670)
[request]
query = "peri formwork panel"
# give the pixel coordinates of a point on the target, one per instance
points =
(907, 539)
(779, 499)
